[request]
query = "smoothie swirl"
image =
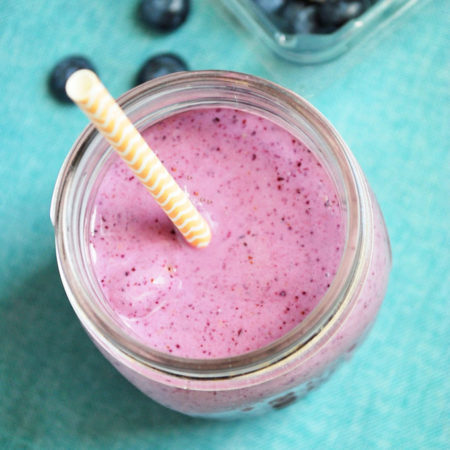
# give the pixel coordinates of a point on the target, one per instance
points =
(278, 237)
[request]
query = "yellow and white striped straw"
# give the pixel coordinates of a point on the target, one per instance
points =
(88, 92)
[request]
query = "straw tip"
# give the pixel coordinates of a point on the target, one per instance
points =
(80, 83)
(202, 240)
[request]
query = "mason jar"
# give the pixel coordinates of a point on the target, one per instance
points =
(270, 377)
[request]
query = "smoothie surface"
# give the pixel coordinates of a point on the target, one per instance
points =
(278, 237)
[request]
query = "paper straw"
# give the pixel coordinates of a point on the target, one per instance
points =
(87, 91)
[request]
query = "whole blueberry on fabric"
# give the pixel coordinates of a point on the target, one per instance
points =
(164, 15)
(61, 73)
(160, 65)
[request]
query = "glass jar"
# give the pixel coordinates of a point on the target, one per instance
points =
(275, 375)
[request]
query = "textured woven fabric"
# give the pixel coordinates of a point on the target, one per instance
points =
(390, 101)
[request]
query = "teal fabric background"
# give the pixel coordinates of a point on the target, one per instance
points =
(389, 98)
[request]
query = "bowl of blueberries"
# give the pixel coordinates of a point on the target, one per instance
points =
(314, 31)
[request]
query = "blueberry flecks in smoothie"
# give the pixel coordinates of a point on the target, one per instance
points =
(277, 231)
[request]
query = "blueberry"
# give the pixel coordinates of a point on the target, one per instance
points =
(337, 12)
(270, 6)
(61, 73)
(160, 65)
(164, 15)
(299, 17)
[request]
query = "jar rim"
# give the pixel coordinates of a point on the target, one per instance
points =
(331, 309)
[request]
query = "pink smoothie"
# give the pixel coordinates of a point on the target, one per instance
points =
(278, 236)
